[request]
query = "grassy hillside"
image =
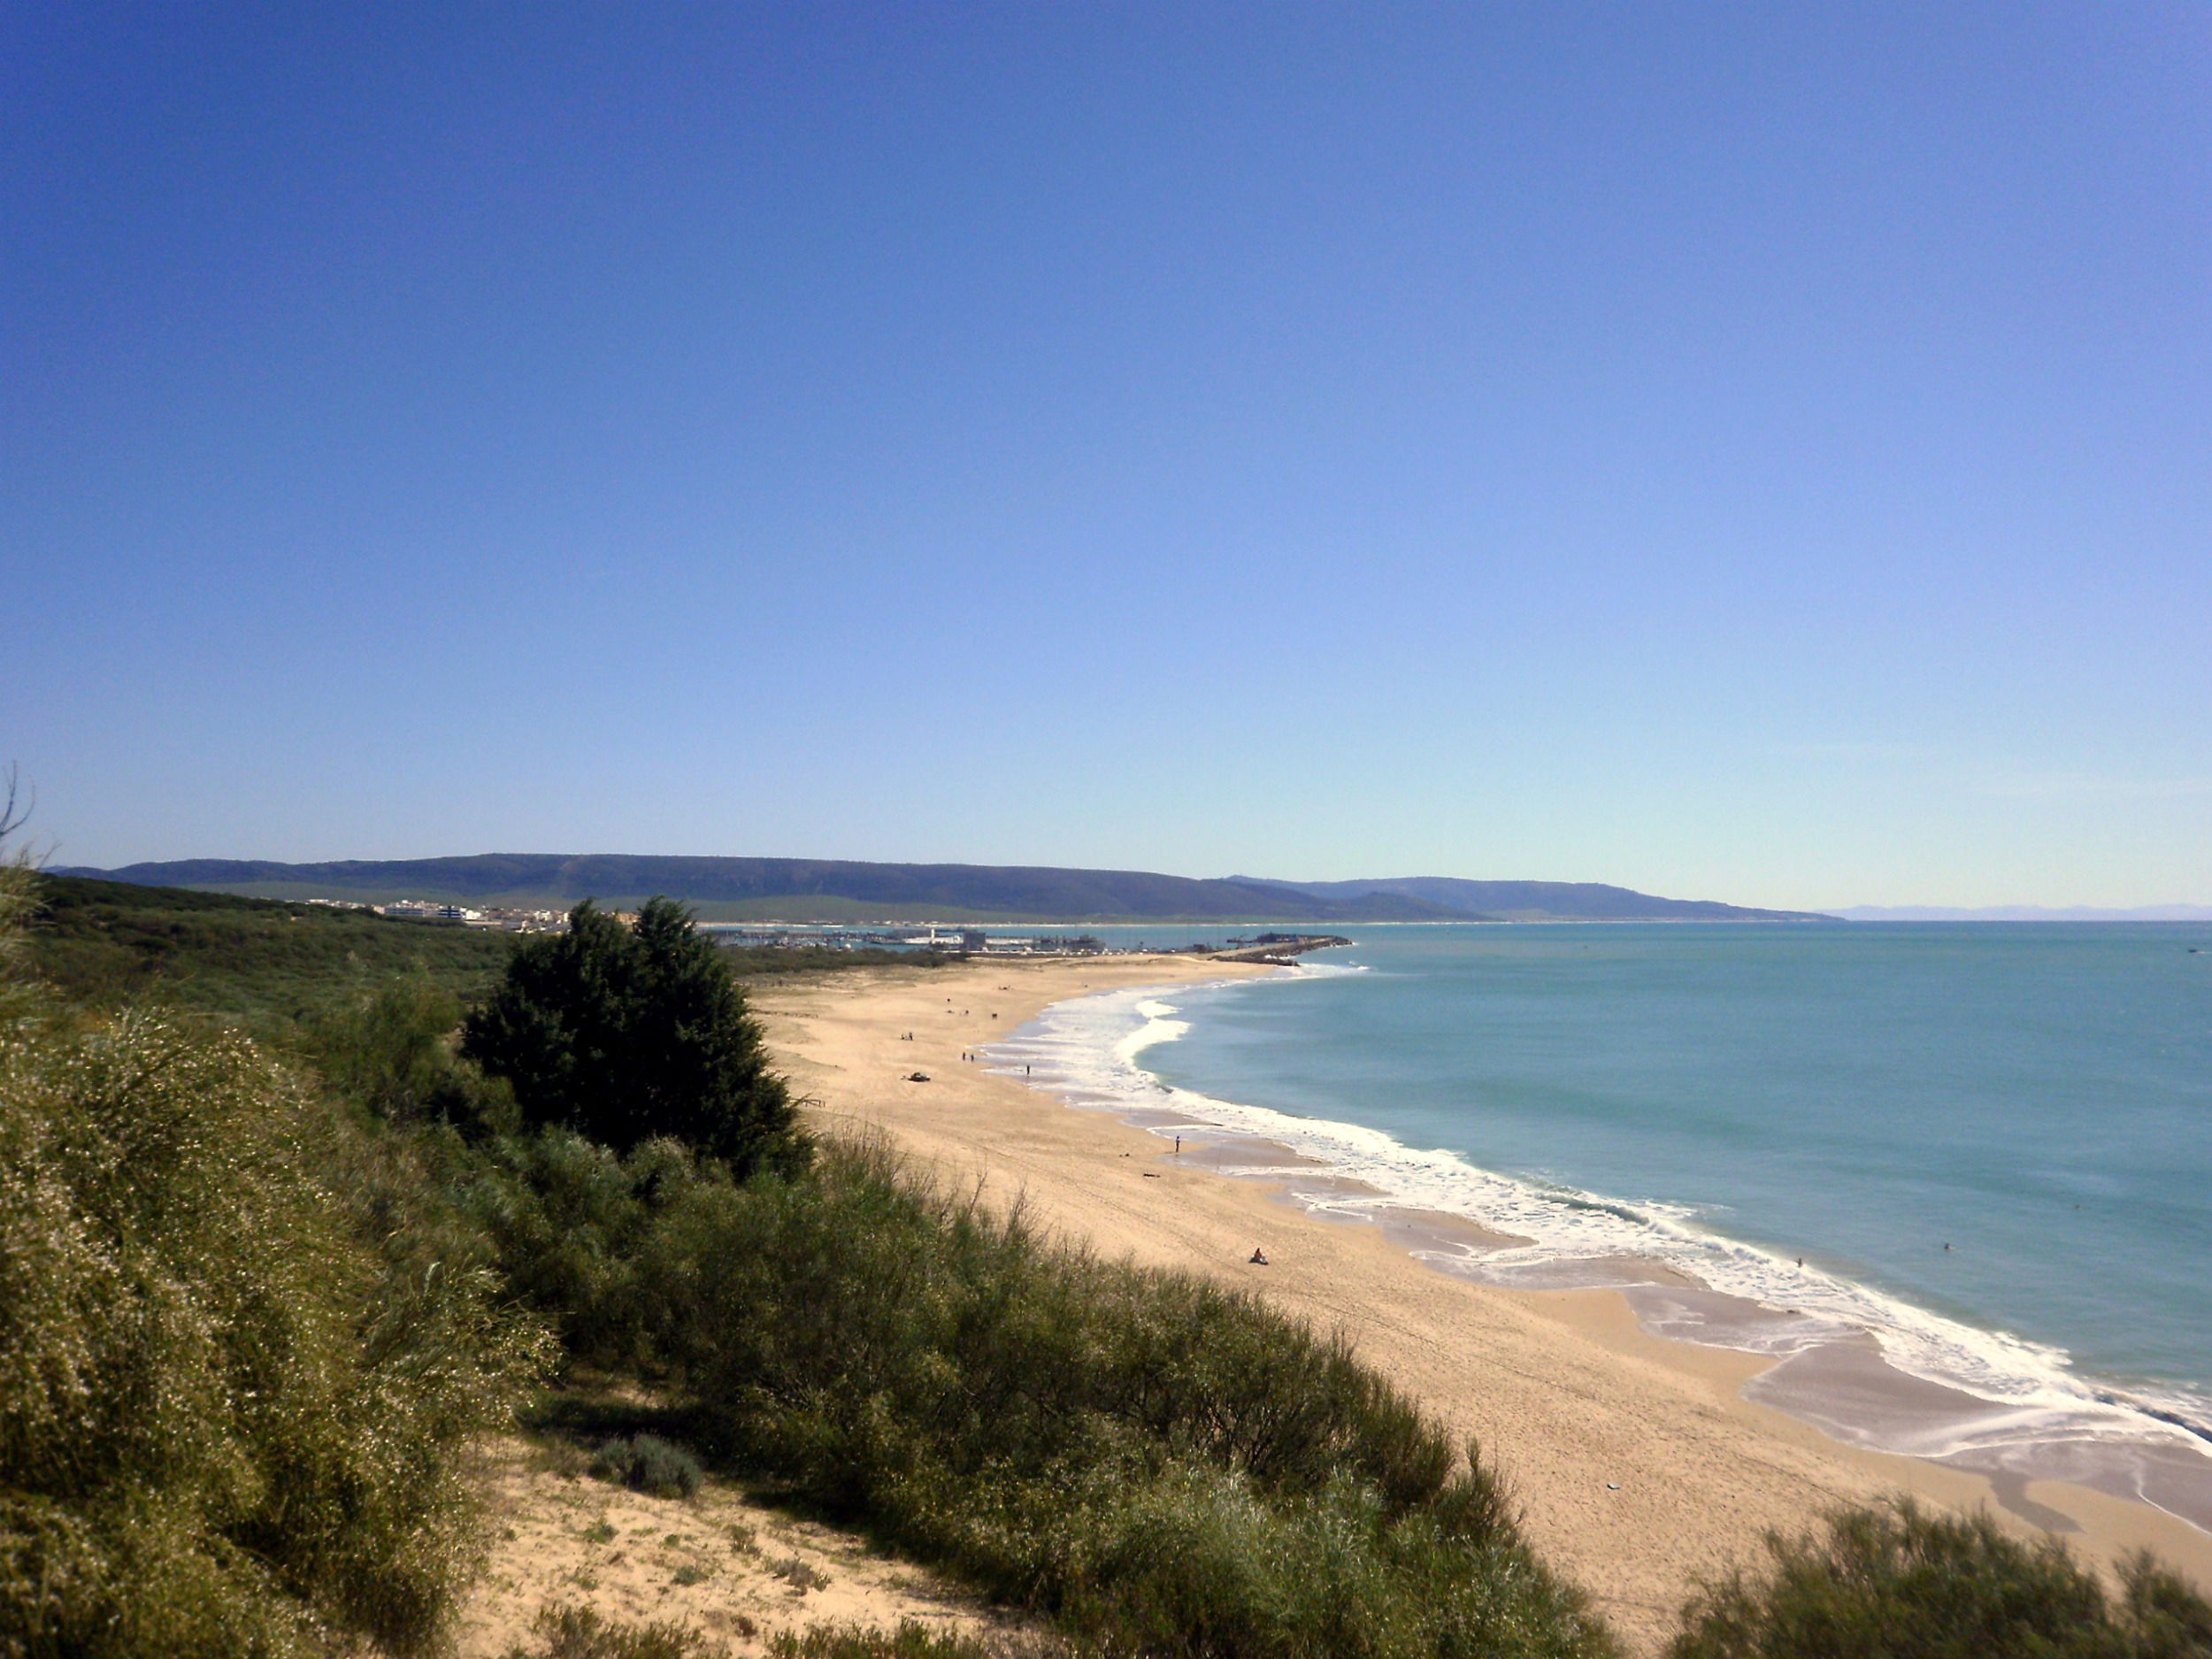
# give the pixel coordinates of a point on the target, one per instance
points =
(269, 964)
(249, 961)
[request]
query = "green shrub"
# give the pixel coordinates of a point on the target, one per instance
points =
(392, 1048)
(228, 1418)
(578, 1633)
(648, 1464)
(1900, 1583)
(627, 1035)
(568, 1220)
(1167, 1467)
(799, 1574)
(1003, 1350)
(19, 998)
(911, 1640)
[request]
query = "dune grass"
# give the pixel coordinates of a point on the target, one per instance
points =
(909, 1638)
(1159, 1465)
(1903, 1583)
(227, 1417)
(241, 1360)
(571, 1632)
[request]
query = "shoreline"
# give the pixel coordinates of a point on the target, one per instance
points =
(1828, 1362)
(1640, 1463)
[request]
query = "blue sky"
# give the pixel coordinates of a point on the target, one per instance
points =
(1738, 451)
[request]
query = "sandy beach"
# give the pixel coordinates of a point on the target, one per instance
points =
(1637, 1463)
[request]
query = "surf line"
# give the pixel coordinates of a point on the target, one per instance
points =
(2018, 1405)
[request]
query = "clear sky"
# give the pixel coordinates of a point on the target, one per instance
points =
(1755, 452)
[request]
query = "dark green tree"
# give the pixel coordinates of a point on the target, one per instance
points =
(624, 1034)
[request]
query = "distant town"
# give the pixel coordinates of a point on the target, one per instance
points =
(927, 936)
(771, 935)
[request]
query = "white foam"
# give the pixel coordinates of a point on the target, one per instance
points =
(1158, 1026)
(1087, 1050)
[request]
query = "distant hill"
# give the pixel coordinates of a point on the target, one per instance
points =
(1542, 901)
(804, 890)
(792, 890)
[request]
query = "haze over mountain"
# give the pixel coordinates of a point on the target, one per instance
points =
(2026, 913)
(1540, 900)
(800, 889)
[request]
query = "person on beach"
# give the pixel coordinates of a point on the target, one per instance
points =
(1259, 1257)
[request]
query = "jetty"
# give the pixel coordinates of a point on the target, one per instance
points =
(1280, 949)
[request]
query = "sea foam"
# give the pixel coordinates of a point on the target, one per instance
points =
(1088, 1051)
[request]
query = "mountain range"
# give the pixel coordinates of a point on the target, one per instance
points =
(1535, 901)
(844, 890)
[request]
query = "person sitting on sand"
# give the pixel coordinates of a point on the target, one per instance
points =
(1259, 1258)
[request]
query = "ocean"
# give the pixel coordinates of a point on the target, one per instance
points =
(1957, 1177)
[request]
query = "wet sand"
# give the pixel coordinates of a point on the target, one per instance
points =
(1639, 1464)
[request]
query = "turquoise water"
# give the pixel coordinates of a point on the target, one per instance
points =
(1731, 1099)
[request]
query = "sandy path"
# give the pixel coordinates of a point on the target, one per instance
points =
(735, 1572)
(1637, 1466)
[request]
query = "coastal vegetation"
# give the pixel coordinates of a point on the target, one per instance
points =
(242, 1350)
(571, 1632)
(260, 1293)
(1160, 1465)
(633, 1033)
(1902, 1583)
(271, 966)
(257, 963)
